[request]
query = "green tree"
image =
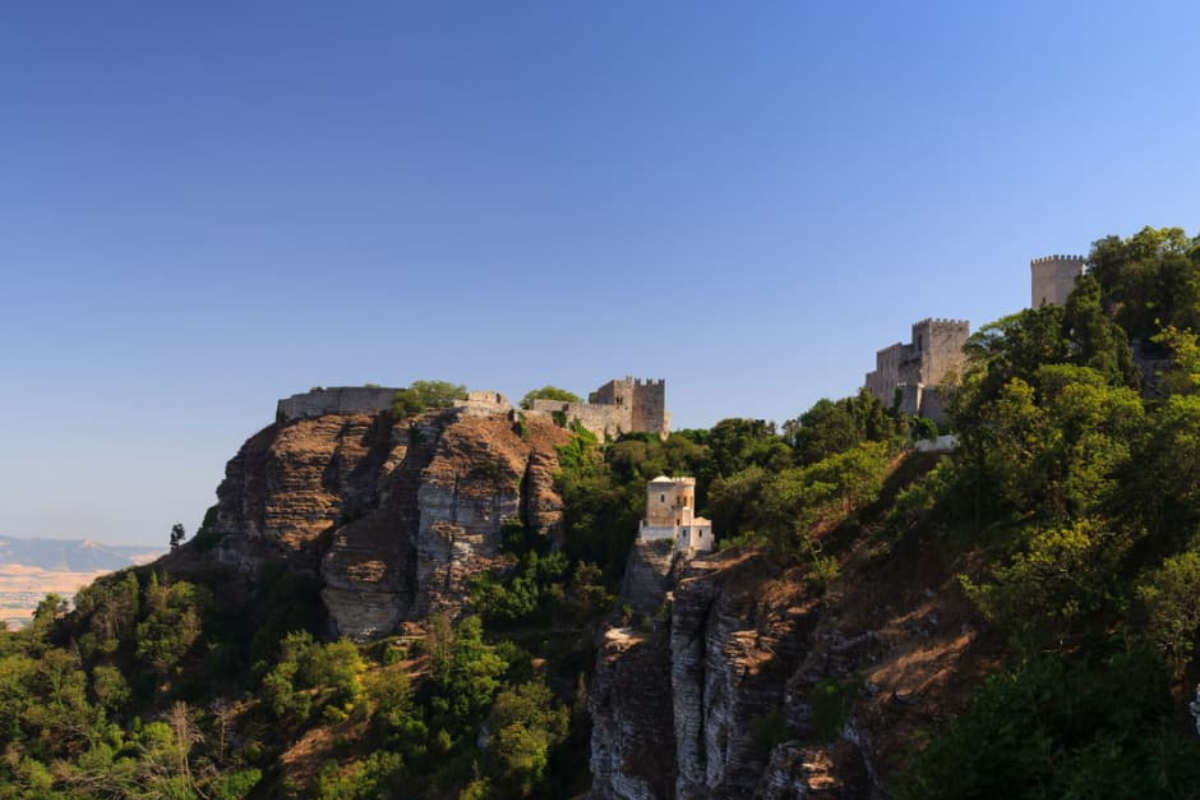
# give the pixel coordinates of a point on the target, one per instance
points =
(1150, 280)
(528, 721)
(438, 394)
(1095, 340)
(466, 687)
(422, 395)
(832, 427)
(1183, 374)
(1170, 597)
(1046, 596)
(172, 625)
(178, 534)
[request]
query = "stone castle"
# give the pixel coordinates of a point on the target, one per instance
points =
(620, 406)
(625, 405)
(934, 357)
(670, 514)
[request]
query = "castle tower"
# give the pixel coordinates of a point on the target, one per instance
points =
(938, 348)
(670, 501)
(1054, 278)
(641, 404)
(932, 359)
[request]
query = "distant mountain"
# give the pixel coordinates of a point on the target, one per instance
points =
(73, 555)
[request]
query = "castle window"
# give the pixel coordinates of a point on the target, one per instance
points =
(662, 498)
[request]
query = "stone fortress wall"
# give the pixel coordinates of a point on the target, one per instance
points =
(620, 406)
(603, 421)
(644, 400)
(484, 404)
(932, 358)
(625, 405)
(1053, 278)
(336, 400)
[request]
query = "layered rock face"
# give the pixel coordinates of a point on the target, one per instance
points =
(732, 641)
(777, 691)
(394, 516)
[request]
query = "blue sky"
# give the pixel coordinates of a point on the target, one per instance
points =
(207, 206)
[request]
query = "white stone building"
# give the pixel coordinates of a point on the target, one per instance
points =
(670, 514)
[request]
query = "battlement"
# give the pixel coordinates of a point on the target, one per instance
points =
(1051, 259)
(336, 400)
(1053, 278)
(933, 357)
(623, 405)
(939, 322)
(483, 404)
(664, 480)
(671, 514)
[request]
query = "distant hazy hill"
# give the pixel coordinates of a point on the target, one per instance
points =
(73, 555)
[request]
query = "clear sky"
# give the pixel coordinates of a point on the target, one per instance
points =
(208, 206)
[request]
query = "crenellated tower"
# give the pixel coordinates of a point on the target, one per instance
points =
(642, 403)
(1053, 278)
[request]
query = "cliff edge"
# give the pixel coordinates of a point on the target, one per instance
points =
(394, 515)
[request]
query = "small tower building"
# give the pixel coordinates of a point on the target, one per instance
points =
(671, 514)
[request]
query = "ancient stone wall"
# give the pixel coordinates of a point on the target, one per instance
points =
(603, 421)
(649, 407)
(933, 358)
(483, 404)
(1053, 278)
(336, 400)
(938, 343)
(644, 401)
(882, 381)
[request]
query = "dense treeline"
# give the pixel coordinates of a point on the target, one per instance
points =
(1076, 476)
(1075, 482)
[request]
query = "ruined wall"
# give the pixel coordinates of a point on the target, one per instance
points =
(482, 404)
(882, 382)
(1053, 278)
(336, 400)
(603, 421)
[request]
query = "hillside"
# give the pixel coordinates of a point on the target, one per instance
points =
(436, 602)
(73, 555)
(31, 568)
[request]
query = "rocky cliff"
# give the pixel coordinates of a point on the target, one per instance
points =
(758, 684)
(394, 515)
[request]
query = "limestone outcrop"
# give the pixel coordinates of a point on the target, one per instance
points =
(394, 516)
(633, 748)
(778, 691)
